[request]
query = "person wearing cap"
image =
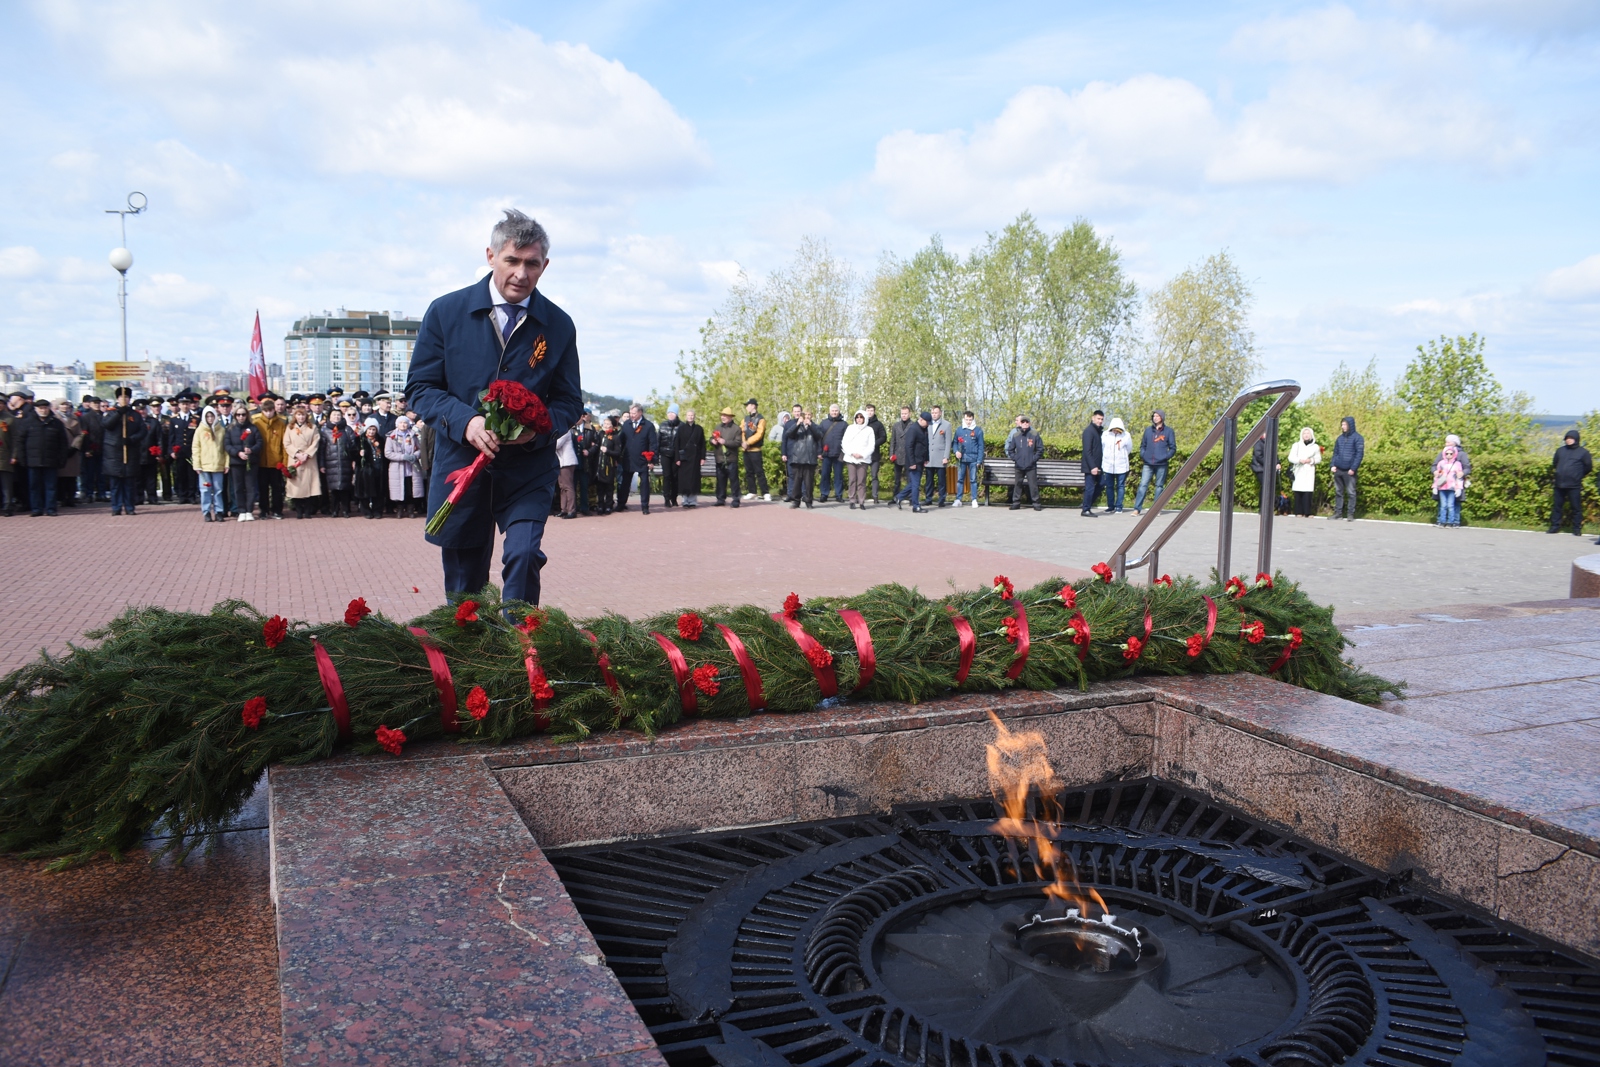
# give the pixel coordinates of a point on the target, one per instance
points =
(691, 453)
(667, 455)
(1093, 461)
(913, 456)
(39, 450)
(1025, 449)
(125, 433)
(727, 445)
(91, 484)
(385, 413)
(9, 483)
(270, 426)
(755, 435)
(500, 327)
(67, 475)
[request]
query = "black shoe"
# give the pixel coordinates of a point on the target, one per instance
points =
(919, 511)
(1088, 514)
(208, 516)
(1038, 507)
(795, 504)
(1552, 531)
(1016, 507)
(808, 505)
(735, 504)
(36, 514)
(644, 511)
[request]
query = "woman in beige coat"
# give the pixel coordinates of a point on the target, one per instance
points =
(302, 480)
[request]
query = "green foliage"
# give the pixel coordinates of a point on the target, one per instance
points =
(1350, 394)
(145, 728)
(1448, 388)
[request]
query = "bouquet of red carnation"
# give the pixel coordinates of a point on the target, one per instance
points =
(507, 408)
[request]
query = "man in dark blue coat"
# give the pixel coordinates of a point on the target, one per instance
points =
(638, 449)
(500, 327)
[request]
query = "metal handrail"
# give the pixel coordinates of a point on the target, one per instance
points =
(1226, 428)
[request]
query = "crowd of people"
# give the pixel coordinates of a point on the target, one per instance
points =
(329, 454)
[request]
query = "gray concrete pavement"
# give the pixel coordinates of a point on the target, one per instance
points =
(1363, 567)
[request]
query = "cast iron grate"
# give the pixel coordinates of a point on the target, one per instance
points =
(863, 943)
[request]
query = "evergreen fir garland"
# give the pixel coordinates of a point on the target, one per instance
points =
(167, 722)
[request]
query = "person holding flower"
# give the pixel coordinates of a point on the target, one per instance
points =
(301, 477)
(499, 329)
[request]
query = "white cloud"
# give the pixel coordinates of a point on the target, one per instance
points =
(197, 187)
(20, 262)
(1579, 283)
(173, 292)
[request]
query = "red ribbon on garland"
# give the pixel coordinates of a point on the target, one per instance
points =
(333, 689)
(1148, 624)
(1211, 618)
(605, 664)
(969, 645)
(441, 681)
(1294, 643)
(827, 681)
(1022, 641)
(864, 652)
(747, 668)
(680, 673)
(530, 660)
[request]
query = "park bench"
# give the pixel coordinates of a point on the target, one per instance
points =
(708, 469)
(1053, 473)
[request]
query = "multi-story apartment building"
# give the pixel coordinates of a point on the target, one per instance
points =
(353, 350)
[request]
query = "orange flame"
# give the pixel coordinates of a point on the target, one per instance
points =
(1019, 767)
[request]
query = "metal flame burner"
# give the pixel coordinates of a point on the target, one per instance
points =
(922, 939)
(1087, 965)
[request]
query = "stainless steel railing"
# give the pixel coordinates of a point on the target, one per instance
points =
(1234, 449)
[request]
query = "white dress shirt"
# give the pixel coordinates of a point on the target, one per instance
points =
(500, 312)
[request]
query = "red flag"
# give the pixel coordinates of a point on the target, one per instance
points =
(258, 363)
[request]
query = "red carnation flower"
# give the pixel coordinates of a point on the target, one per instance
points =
(1196, 644)
(1002, 585)
(467, 612)
(477, 702)
(531, 622)
(791, 606)
(1255, 632)
(818, 656)
(155, 450)
(1165, 579)
(355, 611)
(541, 686)
(1133, 649)
(1296, 637)
(1263, 579)
(414, 589)
(274, 630)
(1103, 571)
(1080, 631)
(705, 679)
(1069, 596)
(391, 741)
(690, 626)
(1235, 587)
(1013, 629)
(255, 709)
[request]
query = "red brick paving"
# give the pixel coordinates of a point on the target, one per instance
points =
(69, 574)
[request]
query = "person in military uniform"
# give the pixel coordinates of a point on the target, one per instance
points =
(124, 432)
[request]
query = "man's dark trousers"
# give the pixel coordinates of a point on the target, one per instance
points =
(669, 481)
(583, 486)
(1029, 479)
(466, 570)
(269, 487)
(89, 478)
(1572, 498)
(932, 479)
(831, 479)
(755, 474)
(1091, 491)
(728, 477)
(624, 478)
(42, 490)
(1344, 486)
(872, 477)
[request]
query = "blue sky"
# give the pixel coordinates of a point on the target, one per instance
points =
(1382, 172)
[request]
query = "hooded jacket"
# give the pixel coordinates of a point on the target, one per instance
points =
(1158, 446)
(1116, 446)
(1349, 449)
(1572, 463)
(859, 441)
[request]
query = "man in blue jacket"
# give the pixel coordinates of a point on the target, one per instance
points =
(639, 443)
(1156, 449)
(1349, 449)
(498, 327)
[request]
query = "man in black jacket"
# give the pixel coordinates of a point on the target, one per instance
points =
(1572, 465)
(586, 440)
(1026, 448)
(802, 442)
(1092, 449)
(880, 434)
(897, 451)
(913, 453)
(124, 435)
(90, 483)
(691, 453)
(832, 456)
(667, 451)
(638, 449)
(39, 448)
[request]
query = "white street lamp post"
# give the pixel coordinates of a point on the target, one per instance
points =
(122, 259)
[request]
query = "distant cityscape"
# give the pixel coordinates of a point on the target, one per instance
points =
(74, 381)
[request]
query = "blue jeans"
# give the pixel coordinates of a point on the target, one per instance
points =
(42, 489)
(1116, 486)
(1091, 490)
(124, 491)
(913, 478)
(967, 480)
(832, 478)
(211, 492)
(1160, 471)
(1448, 515)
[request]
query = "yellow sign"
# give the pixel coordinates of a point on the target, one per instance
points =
(120, 372)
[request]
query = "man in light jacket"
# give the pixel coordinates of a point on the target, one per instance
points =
(1156, 449)
(940, 436)
(1349, 449)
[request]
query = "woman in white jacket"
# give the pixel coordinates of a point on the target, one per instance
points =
(858, 445)
(1303, 459)
(1115, 452)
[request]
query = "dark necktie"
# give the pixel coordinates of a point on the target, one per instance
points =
(513, 316)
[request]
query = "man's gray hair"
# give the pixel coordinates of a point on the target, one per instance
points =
(520, 231)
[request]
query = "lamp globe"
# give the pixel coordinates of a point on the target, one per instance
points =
(121, 259)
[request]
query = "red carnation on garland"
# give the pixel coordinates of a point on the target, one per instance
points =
(1263, 580)
(467, 612)
(1069, 596)
(1002, 586)
(274, 630)
(1296, 637)
(1235, 587)
(1079, 630)
(1254, 633)
(1103, 571)
(705, 679)
(391, 741)
(690, 626)
(531, 622)
(1133, 649)
(818, 656)
(1013, 629)
(255, 709)
(542, 690)
(1196, 644)
(356, 611)
(791, 606)
(477, 702)
(1165, 579)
